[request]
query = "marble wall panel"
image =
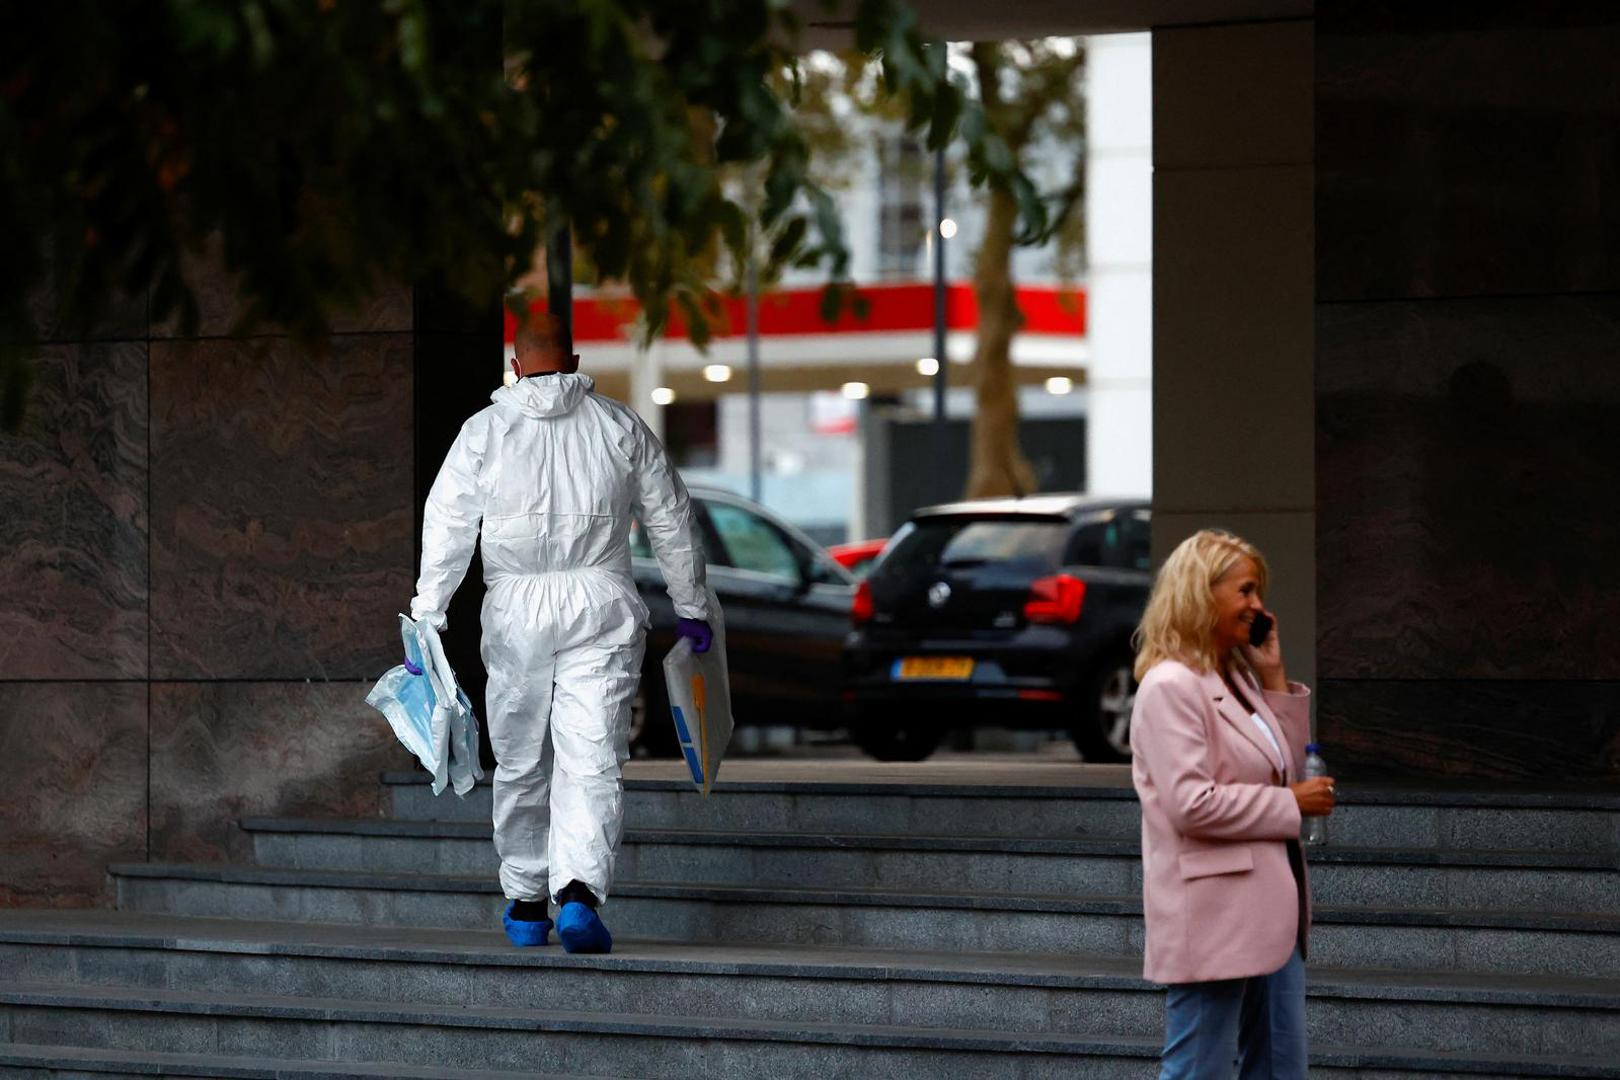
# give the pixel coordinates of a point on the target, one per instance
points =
(73, 534)
(1466, 456)
(221, 751)
(1489, 731)
(118, 316)
(1466, 149)
(75, 795)
(281, 507)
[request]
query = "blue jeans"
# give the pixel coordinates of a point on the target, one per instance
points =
(1253, 1025)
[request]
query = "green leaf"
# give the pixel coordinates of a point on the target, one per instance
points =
(788, 240)
(697, 322)
(832, 303)
(733, 225)
(413, 47)
(1034, 221)
(258, 28)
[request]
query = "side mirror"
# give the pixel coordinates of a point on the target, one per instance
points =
(807, 574)
(805, 562)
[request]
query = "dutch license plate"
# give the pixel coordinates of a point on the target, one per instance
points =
(934, 667)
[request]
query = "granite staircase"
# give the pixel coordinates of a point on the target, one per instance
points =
(815, 929)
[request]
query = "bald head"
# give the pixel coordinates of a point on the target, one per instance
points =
(539, 346)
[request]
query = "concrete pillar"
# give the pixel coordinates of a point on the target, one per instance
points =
(1233, 296)
(1119, 250)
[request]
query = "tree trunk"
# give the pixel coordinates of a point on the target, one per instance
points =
(998, 466)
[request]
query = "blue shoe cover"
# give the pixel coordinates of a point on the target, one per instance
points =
(581, 931)
(522, 932)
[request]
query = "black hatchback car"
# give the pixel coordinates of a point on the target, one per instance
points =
(1001, 613)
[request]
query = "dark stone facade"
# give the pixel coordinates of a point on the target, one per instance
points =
(281, 507)
(76, 797)
(225, 750)
(204, 545)
(1468, 391)
(73, 538)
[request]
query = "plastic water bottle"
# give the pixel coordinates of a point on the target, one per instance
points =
(1315, 827)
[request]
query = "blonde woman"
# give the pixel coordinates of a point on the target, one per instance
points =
(1218, 736)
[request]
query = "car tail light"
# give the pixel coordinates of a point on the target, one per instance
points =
(861, 611)
(1055, 599)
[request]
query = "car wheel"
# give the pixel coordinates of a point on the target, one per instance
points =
(895, 740)
(1103, 732)
(652, 730)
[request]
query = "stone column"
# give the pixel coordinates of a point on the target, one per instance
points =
(1233, 289)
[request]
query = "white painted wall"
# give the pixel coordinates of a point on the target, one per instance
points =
(1119, 244)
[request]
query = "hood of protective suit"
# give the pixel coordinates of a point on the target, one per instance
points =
(548, 395)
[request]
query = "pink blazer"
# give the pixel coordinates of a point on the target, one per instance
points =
(1218, 895)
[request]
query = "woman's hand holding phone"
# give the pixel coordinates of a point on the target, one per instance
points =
(1264, 652)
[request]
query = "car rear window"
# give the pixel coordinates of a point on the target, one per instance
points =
(961, 543)
(1123, 540)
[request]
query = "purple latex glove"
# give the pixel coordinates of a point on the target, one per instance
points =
(697, 632)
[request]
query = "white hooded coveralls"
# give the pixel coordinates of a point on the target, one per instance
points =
(554, 472)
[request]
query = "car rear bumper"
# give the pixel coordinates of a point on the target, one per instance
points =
(983, 708)
(1040, 689)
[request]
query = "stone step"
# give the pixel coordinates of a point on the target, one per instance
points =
(1443, 939)
(1029, 994)
(23, 1060)
(1428, 878)
(1470, 821)
(340, 1029)
(551, 1038)
(966, 810)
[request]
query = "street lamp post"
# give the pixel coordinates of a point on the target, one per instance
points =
(754, 454)
(941, 362)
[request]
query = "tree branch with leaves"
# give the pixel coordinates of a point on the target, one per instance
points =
(1027, 92)
(329, 147)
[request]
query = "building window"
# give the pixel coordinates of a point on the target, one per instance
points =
(902, 215)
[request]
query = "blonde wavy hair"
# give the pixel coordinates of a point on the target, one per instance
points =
(1179, 622)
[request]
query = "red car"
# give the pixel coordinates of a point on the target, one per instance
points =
(859, 556)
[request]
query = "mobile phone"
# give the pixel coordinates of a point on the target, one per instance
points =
(1260, 629)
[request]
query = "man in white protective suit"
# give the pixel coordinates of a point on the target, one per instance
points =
(554, 473)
